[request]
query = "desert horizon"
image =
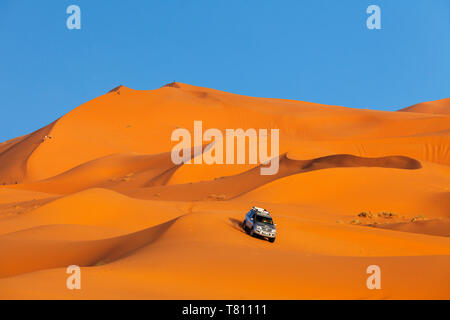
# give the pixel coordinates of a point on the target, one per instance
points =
(97, 188)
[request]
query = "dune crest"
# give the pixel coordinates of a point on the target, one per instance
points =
(441, 106)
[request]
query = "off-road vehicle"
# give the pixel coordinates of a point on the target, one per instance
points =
(258, 222)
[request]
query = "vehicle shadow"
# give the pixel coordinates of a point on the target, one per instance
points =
(236, 224)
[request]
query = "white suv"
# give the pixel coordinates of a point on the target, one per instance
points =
(258, 222)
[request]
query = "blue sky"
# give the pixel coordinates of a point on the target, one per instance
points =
(310, 50)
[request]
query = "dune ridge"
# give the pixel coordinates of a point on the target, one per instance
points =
(441, 106)
(230, 187)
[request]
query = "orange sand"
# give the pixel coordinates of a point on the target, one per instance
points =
(97, 189)
(434, 107)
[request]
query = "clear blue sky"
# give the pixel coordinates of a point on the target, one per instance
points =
(311, 50)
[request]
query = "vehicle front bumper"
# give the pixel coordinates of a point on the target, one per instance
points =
(265, 233)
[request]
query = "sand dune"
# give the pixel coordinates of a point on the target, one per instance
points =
(435, 107)
(109, 171)
(37, 253)
(14, 155)
(96, 207)
(126, 122)
(229, 187)
(355, 187)
(353, 190)
(40, 251)
(140, 176)
(153, 271)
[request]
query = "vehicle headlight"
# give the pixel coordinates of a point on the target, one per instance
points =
(258, 228)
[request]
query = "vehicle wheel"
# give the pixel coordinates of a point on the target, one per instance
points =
(272, 240)
(252, 233)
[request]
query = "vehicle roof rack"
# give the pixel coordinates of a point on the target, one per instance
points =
(261, 211)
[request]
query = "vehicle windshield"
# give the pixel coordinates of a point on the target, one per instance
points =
(265, 220)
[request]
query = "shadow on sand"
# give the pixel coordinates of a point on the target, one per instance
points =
(236, 224)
